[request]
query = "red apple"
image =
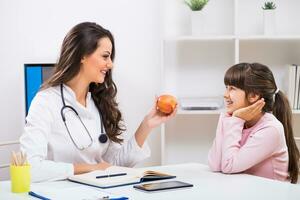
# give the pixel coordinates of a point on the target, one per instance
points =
(166, 103)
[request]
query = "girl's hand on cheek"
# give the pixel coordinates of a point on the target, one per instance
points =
(250, 112)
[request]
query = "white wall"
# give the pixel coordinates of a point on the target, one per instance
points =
(31, 31)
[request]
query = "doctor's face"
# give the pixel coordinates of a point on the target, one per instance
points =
(235, 99)
(95, 66)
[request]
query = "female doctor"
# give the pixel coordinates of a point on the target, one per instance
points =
(74, 124)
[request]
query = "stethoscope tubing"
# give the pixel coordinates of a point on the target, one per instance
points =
(102, 138)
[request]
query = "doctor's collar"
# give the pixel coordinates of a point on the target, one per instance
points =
(73, 95)
(70, 99)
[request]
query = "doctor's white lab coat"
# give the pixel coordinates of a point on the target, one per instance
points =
(49, 148)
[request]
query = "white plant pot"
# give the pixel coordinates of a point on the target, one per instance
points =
(198, 23)
(269, 22)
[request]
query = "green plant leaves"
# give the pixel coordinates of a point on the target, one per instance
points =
(269, 5)
(196, 5)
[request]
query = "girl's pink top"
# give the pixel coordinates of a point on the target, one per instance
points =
(260, 150)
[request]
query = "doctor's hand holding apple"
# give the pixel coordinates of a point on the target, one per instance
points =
(164, 108)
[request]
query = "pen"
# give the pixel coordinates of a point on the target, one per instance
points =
(111, 175)
(117, 198)
(37, 196)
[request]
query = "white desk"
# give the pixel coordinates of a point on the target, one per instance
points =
(207, 185)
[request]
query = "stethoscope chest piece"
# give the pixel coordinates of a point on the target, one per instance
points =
(103, 138)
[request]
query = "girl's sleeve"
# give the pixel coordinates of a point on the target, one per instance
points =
(259, 146)
(215, 152)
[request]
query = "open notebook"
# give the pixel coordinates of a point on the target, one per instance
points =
(118, 176)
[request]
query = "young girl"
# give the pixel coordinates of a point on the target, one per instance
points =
(255, 136)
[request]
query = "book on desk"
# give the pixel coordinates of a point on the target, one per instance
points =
(118, 176)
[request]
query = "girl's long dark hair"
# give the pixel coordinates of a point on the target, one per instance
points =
(258, 79)
(83, 40)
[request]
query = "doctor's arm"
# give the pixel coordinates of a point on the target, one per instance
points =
(153, 119)
(135, 148)
(84, 168)
(34, 142)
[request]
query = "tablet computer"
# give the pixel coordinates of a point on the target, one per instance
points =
(162, 186)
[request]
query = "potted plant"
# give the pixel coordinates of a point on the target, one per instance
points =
(269, 17)
(197, 15)
(196, 5)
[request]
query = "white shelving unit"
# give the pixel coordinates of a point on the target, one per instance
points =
(194, 66)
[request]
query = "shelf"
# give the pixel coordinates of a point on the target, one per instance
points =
(296, 111)
(232, 37)
(198, 112)
(269, 37)
(199, 38)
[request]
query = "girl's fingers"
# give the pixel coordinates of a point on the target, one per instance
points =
(255, 108)
(252, 108)
(259, 106)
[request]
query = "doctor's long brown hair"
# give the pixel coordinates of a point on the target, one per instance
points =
(82, 40)
(258, 79)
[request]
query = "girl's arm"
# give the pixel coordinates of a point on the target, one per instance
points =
(259, 146)
(215, 152)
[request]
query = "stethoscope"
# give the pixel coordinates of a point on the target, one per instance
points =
(102, 138)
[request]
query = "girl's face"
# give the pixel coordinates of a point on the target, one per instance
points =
(234, 99)
(95, 66)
